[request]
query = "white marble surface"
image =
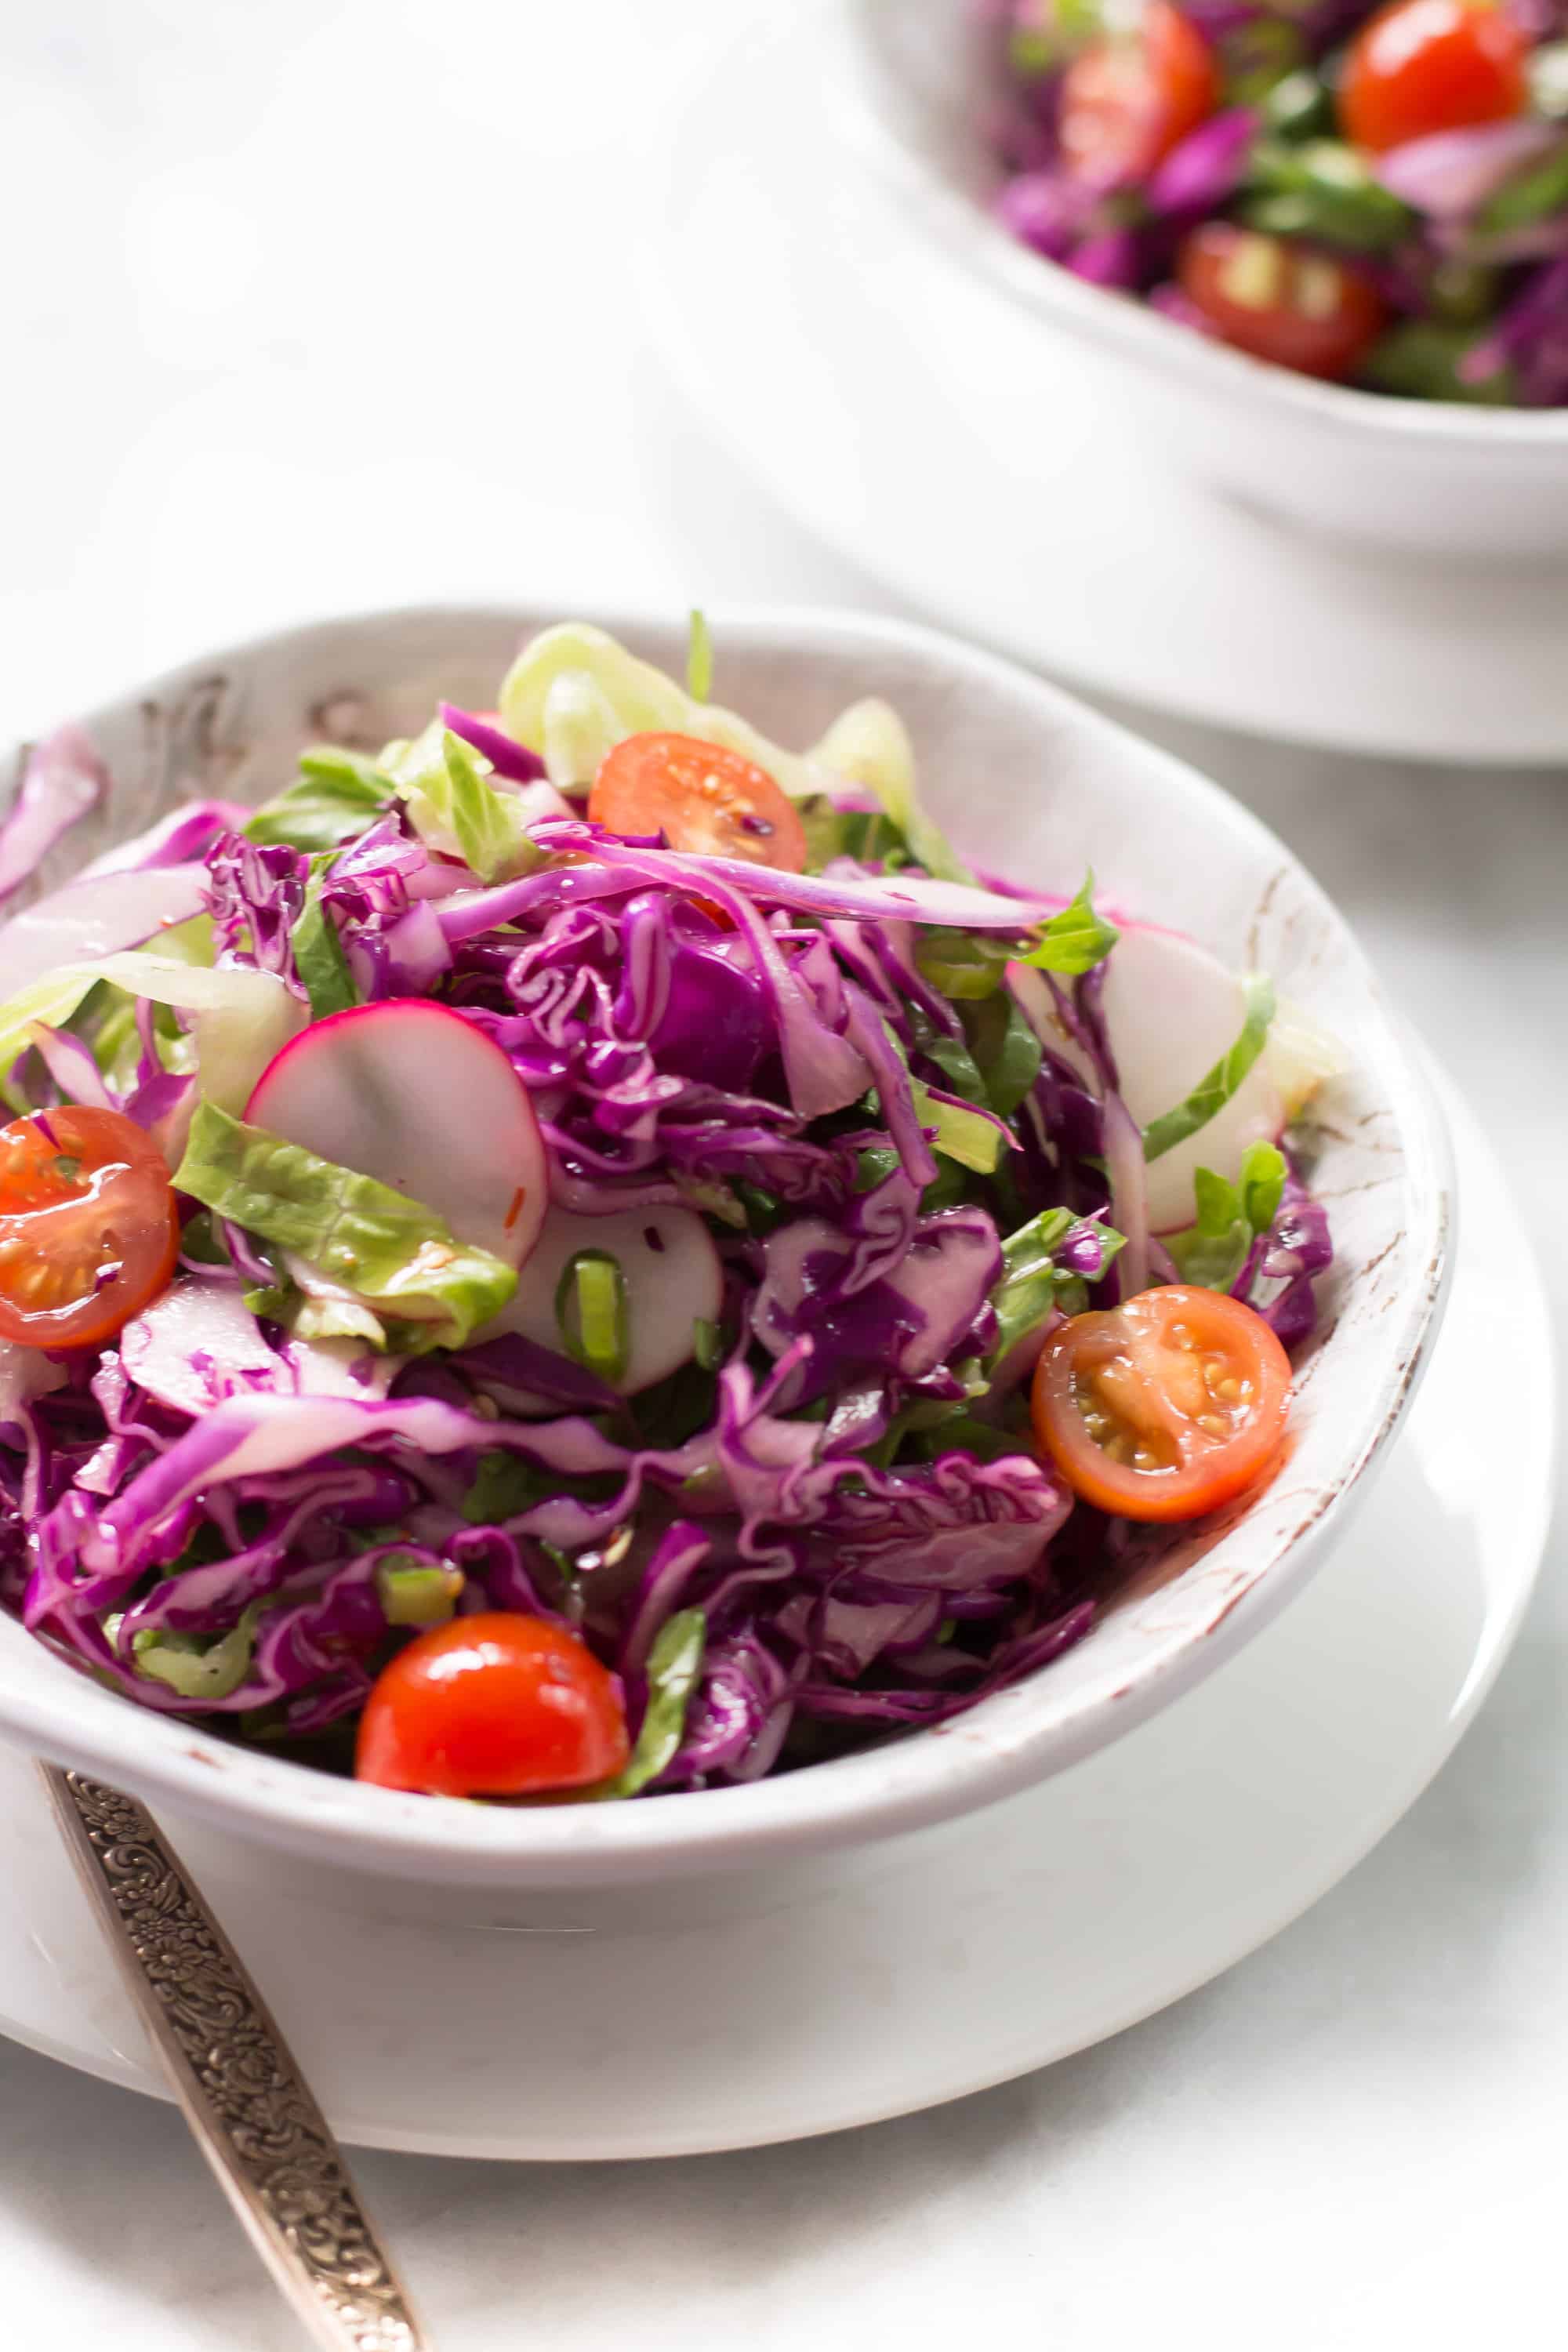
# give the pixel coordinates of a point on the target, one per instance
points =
(316, 305)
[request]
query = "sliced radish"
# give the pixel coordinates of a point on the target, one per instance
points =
(1173, 1011)
(672, 1276)
(414, 1094)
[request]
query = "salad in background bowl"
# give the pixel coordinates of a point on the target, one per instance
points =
(1371, 192)
(1319, 255)
(581, 1254)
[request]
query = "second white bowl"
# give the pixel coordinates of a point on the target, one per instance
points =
(1408, 474)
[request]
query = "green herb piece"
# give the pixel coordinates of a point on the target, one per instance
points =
(591, 1312)
(1322, 188)
(1419, 358)
(674, 1666)
(1074, 942)
(965, 966)
(392, 1253)
(1006, 1051)
(337, 795)
(1300, 106)
(700, 660)
(198, 1666)
(320, 961)
(1531, 195)
(1215, 1087)
(1212, 1251)
(454, 808)
(1032, 1286)
(417, 1595)
(966, 1136)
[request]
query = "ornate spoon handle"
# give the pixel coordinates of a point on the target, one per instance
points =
(232, 2074)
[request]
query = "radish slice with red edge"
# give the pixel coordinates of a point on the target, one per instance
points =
(672, 1276)
(414, 1094)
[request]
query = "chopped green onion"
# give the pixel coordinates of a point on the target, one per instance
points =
(591, 1312)
(417, 1595)
(707, 1343)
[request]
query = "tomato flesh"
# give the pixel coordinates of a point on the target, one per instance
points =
(1127, 99)
(89, 1227)
(1281, 301)
(704, 798)
(1426, 66)
(493, 1706)
(1165, 1407)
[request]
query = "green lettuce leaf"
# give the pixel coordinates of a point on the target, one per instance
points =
(1215, 1087)
(320, 961)
(674, 1664)
(392, 1254)
(336, 795)
(1211, 1252)
(1006, 1051)
(1075, 941)
(966, 1136)
(573, 694)
(1032, 1287)
(870, 745)
(453, 807)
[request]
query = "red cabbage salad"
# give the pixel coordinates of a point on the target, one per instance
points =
(589, 1254)
(1376, 195)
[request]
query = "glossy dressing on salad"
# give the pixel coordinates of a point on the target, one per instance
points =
(589, 1254)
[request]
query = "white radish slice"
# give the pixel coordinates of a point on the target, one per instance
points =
(673, 1280)
(414, 1094)
(1173, 1011)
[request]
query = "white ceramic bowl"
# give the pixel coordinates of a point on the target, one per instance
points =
(1031, 783)
(1392, 473)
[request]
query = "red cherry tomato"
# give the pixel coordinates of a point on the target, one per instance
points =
(1164, 1408)
(89, 1231)
(496, 1705)
(1281, 301)
(703, 799)
(1422, 66)
(1127, 99)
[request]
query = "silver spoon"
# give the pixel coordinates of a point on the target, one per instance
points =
(243, 2095)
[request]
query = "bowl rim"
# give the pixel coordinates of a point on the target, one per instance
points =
(880, 120)
(927, 1775)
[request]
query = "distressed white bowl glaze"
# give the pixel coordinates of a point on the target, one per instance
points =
(1407, 474)
(1031, 784)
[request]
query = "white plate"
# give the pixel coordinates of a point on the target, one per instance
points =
(844, 1988)
(907, 412)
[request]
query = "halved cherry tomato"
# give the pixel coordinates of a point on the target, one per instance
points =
(1281, 301)
(89, 1229)
(1128, 99)
(495, 1705)
(1165, 1407)
(1422, 66)
(703, 799)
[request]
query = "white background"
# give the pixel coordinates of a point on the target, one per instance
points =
(311, 306)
